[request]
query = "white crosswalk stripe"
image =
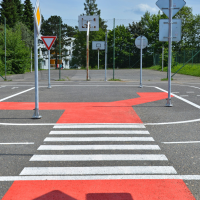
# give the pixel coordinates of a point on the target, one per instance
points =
(100, 139)
(98, 147)
(112, 152)
(98, 157)
(123, 132)
(98, 170)
(81, 126)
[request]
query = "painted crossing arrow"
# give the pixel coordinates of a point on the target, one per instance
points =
(48, 41)
(164, 6)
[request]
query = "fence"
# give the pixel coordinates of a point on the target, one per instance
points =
(180, 57)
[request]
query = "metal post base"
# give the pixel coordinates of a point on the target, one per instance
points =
(36, 114)
(169, 103)
(140, 86)
(49, 87)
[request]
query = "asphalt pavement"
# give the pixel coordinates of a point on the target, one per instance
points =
(169, 134)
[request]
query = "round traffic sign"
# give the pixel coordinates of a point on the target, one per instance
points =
(141, 40)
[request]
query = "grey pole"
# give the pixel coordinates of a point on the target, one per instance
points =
(31, 59)
(5, 44)
(162, 56)
(49, 85)
(87, 52)
(113, 48)
(141, 46)
(98, 58)
(36, 112)
(106, 59)
(169, 104)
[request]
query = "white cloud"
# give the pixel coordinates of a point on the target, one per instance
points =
(142, 8)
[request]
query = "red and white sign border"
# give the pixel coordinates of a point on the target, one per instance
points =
(43, 39)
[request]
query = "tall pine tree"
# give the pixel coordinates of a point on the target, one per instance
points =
(19, 9)
(90, 8)
(28, 18)
(8, 10)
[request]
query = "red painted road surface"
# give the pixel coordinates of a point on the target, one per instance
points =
(106, 112)
(99, 190)
(101, 112)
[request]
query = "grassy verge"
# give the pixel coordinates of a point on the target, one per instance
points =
(116, 79)
(189, 69)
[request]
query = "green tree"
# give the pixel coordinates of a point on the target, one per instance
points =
(79, 49)
(8, 10)
(190, 28)
(17, 53)
(19, 6)
(90, 8)
(26, 34)
(124, 47)
(28, 15)
(50, 27)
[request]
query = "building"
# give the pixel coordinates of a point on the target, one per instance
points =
(43, 54)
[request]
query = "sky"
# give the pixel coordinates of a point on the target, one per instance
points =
(124, 11)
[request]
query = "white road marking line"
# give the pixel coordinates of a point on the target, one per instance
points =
(96, 139)
(98, 132)
(14, 88)
(166, 123)
(16, 94)
(175, 92)
(99, 147)
(190, 92)
(198, 95)
(16, 143)
(194, 87)
(117, 125)
(102, 177)
(186, 101)
(186, 142)
(99, 157)
(145, 124)
(184, 95)
(98, 170)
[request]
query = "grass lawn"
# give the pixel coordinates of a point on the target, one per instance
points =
(188, 69)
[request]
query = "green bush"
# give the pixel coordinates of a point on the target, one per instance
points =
(17, 53)
(166, 58)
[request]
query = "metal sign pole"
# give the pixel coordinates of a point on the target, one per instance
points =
(5, 44)
(169, 104)
(98, 58)
(87, 59)
(49, 85)
(31, 59)
(141, 46)
(162, 56)
(106, 59)
(36, 112)
(113, 48)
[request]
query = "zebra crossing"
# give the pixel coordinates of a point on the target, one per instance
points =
(123, 150)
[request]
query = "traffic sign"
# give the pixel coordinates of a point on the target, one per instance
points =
(176, 6)
(37, 16)
(140, 39)
(164, 29)
(48, 41)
